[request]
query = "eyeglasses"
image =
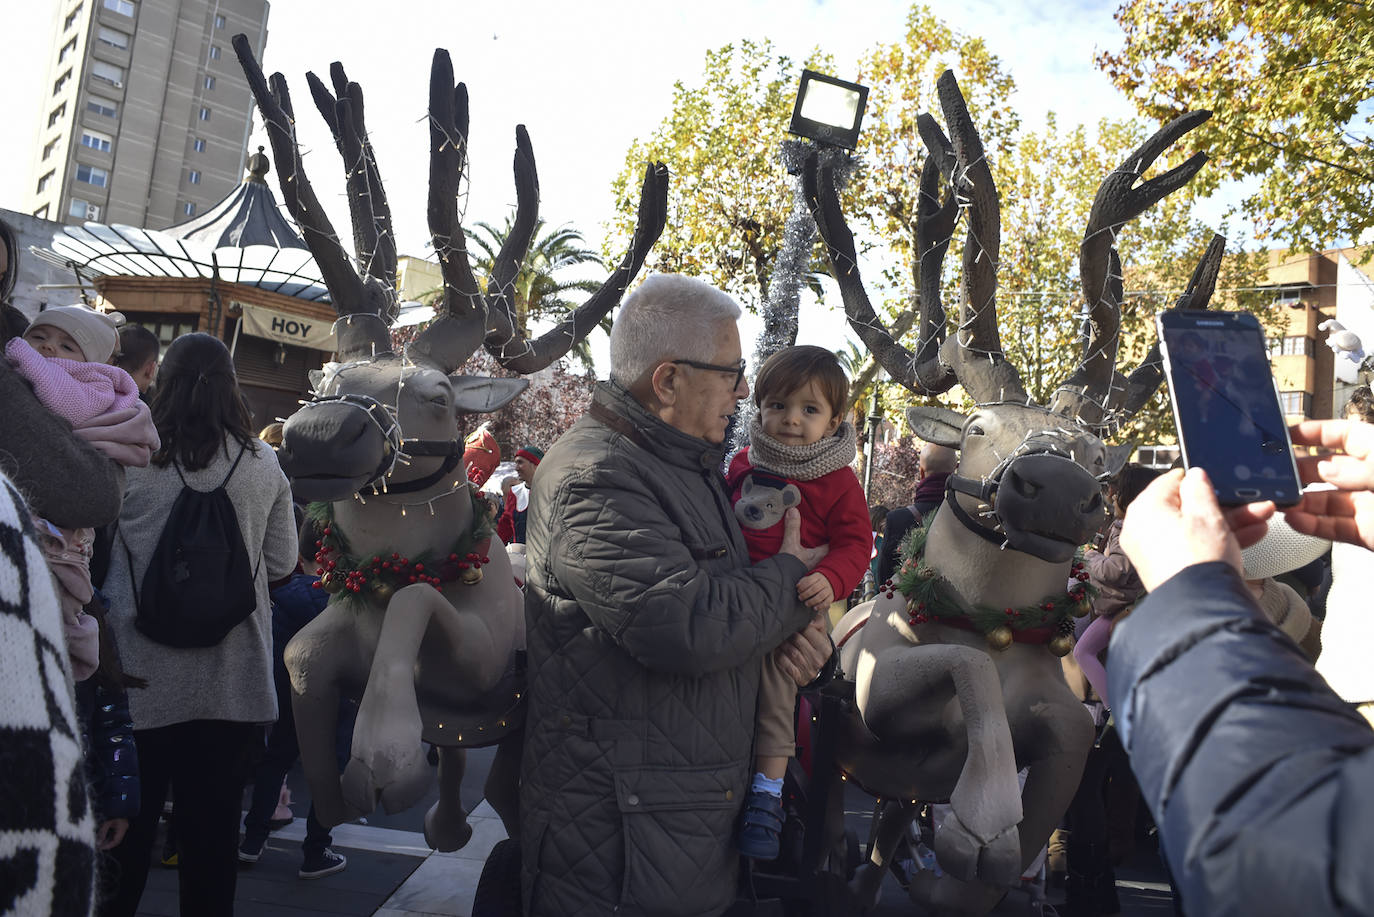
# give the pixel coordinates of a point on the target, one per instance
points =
(737, 369)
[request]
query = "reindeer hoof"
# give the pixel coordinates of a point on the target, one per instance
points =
(962, 855)
(446, 831)
(865, 889)
(394, 785)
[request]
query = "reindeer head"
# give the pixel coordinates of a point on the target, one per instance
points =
(1029, 477)
(391, 420)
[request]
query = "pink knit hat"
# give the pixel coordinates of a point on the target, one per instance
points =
(96, 333)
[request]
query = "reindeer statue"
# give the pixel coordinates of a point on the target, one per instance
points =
(956, 687)
(425, 624)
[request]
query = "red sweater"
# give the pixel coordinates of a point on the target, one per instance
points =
(832, 510)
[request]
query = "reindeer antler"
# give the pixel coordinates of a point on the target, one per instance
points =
(1141, 384)
(924, 374)
(1089, 392)
(361, 301)
(373, 237)
(527, 356)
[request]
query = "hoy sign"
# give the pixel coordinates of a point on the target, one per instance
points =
(286, 328)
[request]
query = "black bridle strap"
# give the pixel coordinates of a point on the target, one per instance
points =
(429, 480)
(982, 531)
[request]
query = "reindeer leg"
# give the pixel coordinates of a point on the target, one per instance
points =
(446, 822)
(388, 763)
(893, 817)
(1053, 733)
(502, 788)
(978, 840)
(315, 658)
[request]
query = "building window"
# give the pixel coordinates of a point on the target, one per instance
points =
(45, 181)
(219, 20)
(67, 51)
(108, 73)
(96, 140)
(1289, 296)
(57, 114)
(113, 38)
(83, 210)
(194, 177)
(92, 176)
(71, 18)
(188, 209)
(61, 82)
(209, 82)
(1295, 403)
(204, 113)
(41, 212)
(214, 52)
(198, 145)
(123, 7)
(104, 107)
(51, 147)
(1291, 346)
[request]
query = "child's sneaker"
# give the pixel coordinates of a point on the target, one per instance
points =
(325, 863)
(760, 833)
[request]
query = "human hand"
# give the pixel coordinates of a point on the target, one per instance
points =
(791, 541)
(1347, 462)
(1176, 522)
(814, 590)
(802, 656)
(110, 833)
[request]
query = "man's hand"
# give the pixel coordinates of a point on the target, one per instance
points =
(1176, 522)
(110, 833)
(1347, 462)
(814, 590)
(802, 656)
(791, 541)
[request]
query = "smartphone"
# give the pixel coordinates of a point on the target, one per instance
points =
(1226, 405)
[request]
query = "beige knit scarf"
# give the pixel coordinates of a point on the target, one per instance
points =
(802, 463)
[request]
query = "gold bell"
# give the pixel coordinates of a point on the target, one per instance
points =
(1079, 609)
(471, 576)
(383, 592)
(1000, 637)
(1062, 644)
(332, 583)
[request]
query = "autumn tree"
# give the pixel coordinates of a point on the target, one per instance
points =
(729, 196)
(1289, 84)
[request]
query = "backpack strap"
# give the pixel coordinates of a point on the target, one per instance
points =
(233, 467)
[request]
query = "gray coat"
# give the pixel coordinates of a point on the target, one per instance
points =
(646, 630)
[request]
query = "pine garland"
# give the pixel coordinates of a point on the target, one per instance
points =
(379, 576)
(930, 597)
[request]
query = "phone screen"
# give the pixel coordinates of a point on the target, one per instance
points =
(1225, 406)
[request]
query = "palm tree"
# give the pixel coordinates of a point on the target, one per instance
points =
(540, 293)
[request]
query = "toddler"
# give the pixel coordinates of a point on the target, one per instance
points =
(799, 456)
(64, 354)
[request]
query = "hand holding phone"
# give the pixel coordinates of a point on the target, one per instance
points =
(1226, 406)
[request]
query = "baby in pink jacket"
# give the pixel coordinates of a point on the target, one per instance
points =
(64, 354)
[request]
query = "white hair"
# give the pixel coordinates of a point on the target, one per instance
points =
(670, 317)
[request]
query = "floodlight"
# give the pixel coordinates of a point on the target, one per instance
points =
(828, 110)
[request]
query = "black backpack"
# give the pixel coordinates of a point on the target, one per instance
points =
(199, 584)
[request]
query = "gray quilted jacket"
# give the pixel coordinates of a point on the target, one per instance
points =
(647, 626)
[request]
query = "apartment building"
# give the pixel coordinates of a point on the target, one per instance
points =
(147, 115)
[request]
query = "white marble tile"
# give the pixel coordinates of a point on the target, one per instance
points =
(486, 832)
(442, 885)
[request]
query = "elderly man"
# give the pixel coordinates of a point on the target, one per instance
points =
(647, 627)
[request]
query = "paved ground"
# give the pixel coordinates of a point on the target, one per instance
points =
(391, 873)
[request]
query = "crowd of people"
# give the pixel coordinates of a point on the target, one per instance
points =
(675, 603)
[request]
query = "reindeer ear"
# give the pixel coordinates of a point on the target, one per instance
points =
(480, 394)
(940, 426)
(1117, 457)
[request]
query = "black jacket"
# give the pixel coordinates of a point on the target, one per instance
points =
(1261, 779)
(111, 758)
